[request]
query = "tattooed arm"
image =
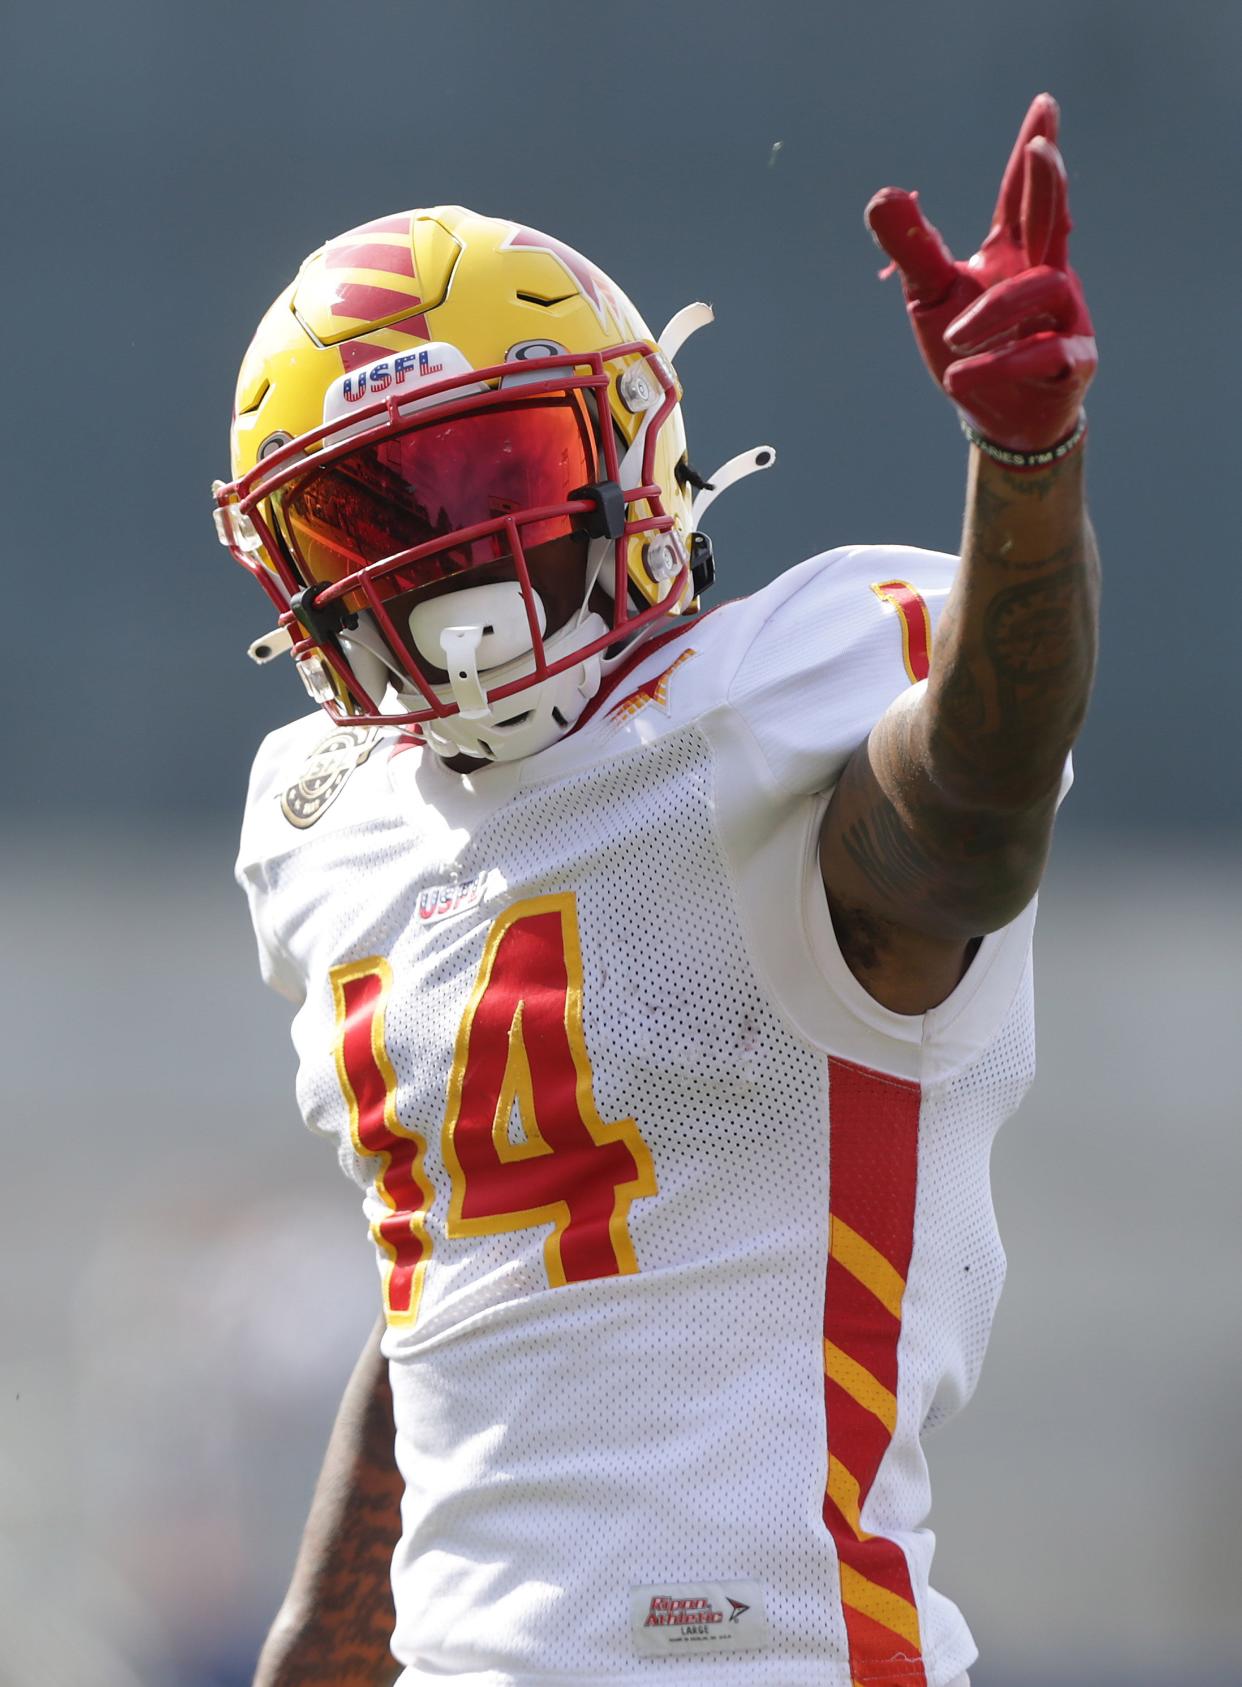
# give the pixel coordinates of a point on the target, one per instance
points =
(337, 1618)
(939, 828)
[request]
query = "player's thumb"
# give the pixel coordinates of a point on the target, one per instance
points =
(899, 228)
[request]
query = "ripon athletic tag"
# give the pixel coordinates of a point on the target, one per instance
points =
(698, 1619)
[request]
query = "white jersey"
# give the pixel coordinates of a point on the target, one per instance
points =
(684, 1240)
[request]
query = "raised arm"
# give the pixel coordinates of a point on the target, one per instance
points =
(337, 1618)
(940, 826)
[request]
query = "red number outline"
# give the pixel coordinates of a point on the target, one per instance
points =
(360, 992)
(916, 630)
(575, 1250)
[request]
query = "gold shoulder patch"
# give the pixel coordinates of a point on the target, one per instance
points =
(327, 768)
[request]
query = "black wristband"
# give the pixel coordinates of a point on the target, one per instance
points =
(1027, 459)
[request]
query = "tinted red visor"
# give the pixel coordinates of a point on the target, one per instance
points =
(435, 481)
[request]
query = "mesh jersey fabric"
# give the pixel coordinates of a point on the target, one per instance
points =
(768, 1259)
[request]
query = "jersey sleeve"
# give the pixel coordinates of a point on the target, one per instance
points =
(260, 841)
(837, 641)
(840, 637)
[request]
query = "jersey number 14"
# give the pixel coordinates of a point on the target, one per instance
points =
(520, 1045)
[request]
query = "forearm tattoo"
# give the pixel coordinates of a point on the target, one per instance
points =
(944, 819)
(1014, 656)
(343, 1606)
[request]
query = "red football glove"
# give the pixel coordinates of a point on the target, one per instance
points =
(1007, 334)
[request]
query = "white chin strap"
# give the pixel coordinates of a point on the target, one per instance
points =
(481, 637)
(485, 625)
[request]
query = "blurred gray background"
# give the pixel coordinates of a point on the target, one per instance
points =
(184, 1277)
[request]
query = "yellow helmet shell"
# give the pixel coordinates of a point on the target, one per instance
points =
(482, 284)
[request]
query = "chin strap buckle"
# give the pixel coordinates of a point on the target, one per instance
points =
(702, 563)
(607, 519)
(322, 621)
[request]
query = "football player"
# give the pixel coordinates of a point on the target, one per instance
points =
(661, 977)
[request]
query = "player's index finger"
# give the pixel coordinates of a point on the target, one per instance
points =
(1042, 118)
(1048, 182)
(1043, 200)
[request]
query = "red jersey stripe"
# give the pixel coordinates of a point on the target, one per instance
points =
(873, 1124)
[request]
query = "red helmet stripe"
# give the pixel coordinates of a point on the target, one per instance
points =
(398, 260)
(398, 224)
(366, 303)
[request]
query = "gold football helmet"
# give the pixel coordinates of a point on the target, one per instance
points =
(460, 474)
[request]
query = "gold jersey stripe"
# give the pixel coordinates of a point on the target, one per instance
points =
(860, 1385)
(844, 1493)
(880, 1605)
(868, 1264)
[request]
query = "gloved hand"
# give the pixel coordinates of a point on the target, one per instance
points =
(1006, 334)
